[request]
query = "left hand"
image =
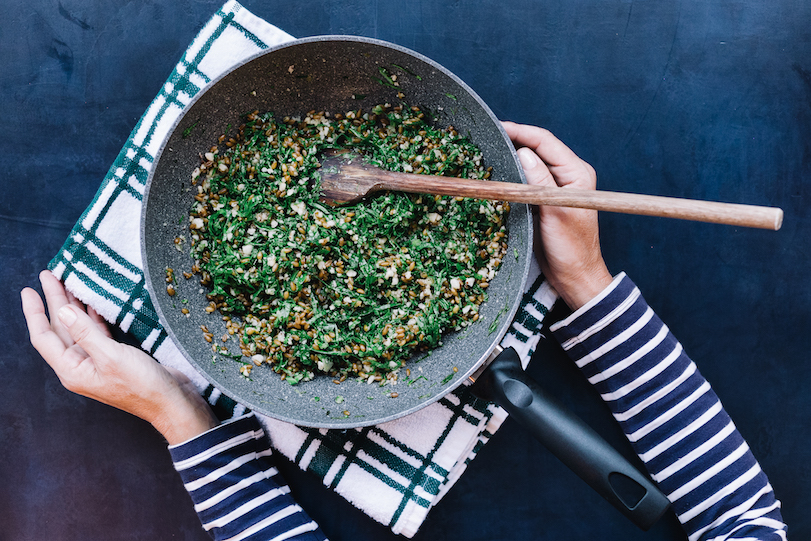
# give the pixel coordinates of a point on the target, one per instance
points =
(78, 346)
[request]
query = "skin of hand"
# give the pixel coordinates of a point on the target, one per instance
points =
(78, 346)
(568, 247)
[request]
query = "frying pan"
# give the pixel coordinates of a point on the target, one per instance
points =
(337, 74)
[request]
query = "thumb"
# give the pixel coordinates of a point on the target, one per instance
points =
(535, 169)
(85, 332)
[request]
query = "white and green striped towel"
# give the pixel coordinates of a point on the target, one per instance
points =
(394, 472)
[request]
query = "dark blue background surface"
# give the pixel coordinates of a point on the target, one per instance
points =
(700, 99)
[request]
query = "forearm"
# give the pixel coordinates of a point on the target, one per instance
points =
(671, 416)
(236, 490)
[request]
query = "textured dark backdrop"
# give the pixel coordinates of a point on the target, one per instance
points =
(697, 98)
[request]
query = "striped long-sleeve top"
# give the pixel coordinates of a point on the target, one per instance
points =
(668, 411)
(671, 416)
(237, 492)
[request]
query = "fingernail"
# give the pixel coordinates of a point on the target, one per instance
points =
(66, 316)
(529, 160)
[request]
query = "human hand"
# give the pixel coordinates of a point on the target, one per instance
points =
(568, 248)
(78, 346)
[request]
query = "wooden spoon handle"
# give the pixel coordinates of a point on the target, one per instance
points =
(648, 205)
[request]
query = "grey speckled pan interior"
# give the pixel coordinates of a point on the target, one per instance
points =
(334, 74)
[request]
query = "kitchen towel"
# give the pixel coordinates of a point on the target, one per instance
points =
(394, 472)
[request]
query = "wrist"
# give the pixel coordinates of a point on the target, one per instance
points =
(579, 290)
(181, 419)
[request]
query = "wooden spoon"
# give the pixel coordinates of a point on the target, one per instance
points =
(348, 178)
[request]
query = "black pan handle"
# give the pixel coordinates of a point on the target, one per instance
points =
(570, 439)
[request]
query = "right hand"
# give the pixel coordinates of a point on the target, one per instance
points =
(568, 248)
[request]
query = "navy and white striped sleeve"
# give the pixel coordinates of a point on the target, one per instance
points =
(237, 492)
(671, 416)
